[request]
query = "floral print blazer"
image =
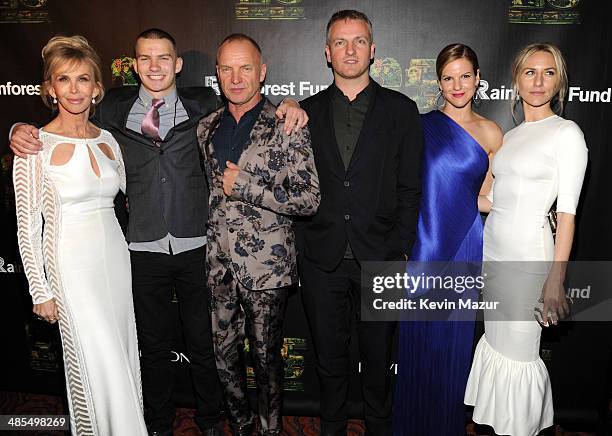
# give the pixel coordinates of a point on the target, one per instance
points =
(250, 230)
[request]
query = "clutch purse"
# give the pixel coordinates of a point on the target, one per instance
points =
(552, 218)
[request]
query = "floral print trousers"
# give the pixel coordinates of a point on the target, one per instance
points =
(237, 312)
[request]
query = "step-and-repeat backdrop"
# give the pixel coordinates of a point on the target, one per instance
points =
(408, 34)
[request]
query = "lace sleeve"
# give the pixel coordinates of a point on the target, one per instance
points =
(28, 182)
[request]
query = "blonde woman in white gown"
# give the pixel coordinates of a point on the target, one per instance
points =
(542, 160)
(78, 267)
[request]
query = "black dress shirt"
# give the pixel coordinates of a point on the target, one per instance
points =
(348, 119)
(230, 137)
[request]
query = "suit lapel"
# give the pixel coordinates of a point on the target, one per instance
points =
(191, 106)
(123, 108)
(212, 121)
(261, 131)
(323, 129)
(193, 114)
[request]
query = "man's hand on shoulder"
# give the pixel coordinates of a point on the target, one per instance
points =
(24, 140)
(295, 117)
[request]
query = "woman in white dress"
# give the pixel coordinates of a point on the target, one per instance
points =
(542, 160)
(73, 251)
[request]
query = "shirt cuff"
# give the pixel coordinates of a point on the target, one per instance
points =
(13, 128)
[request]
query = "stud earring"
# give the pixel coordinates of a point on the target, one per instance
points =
(54, 100)
(93, 100)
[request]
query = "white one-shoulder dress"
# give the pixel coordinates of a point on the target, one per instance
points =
(539, 162)
(81, 259)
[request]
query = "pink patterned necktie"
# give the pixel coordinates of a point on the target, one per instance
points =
(150, 124)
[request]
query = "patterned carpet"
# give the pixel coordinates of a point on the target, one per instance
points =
(30, 404)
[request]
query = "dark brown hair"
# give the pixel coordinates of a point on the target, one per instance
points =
(155, 33)
(451, 53)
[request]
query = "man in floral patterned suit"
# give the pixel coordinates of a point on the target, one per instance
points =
(258, 177)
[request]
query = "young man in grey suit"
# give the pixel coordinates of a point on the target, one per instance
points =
(258, 177)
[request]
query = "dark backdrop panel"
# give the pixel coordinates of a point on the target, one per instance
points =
(408, 37)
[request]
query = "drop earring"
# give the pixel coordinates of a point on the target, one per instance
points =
(476, 96)
(54, 100)
(437, 102)
(93, 100)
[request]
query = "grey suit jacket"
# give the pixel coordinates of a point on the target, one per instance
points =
(250, 231)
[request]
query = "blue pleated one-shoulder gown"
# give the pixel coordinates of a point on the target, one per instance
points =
(434, 356)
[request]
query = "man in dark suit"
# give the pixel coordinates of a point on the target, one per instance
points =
(155, 125)
(367, 143)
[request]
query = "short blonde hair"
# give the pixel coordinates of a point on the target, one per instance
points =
(558, 99)
(61, 50)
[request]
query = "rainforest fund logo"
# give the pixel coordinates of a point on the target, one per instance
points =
(270, 10)
(421, 83)
(544, 12)
(417, 80)
(387, 72)
(122, 68)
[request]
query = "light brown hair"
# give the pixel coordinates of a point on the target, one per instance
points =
(349, 14)
(558, 99)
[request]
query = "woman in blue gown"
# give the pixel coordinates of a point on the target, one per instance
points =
(434, 356)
